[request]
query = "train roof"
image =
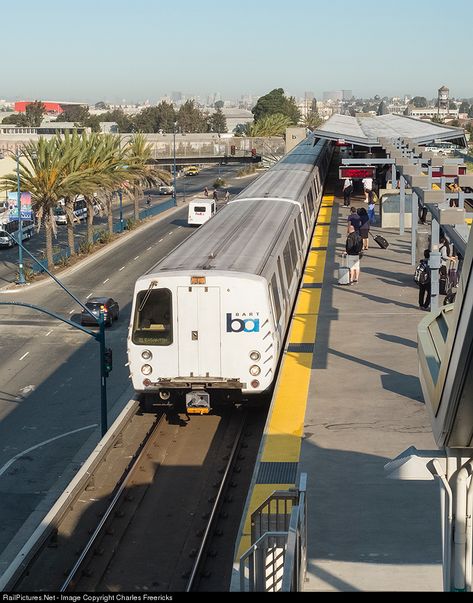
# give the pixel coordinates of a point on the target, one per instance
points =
(288, 177)
(239, 238)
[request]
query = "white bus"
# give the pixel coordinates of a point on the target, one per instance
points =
(12, 228)
(79, 210)
(201, 209)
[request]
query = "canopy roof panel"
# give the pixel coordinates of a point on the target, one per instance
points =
(367, 130)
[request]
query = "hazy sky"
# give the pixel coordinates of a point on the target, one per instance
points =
(112, 50)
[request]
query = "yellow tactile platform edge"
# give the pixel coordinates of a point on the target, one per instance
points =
(284, 429)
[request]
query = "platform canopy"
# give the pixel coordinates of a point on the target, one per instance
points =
(366, 131)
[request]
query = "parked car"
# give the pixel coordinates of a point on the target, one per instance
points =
(166, 189)
(109, 306)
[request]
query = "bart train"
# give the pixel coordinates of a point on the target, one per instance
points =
(209, 320)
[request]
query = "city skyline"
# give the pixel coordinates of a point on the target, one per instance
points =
(116, 50)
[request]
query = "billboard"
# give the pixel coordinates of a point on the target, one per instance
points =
(25, 200)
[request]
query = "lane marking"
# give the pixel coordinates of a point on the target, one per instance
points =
(136, 257)
(48, 333)
(24, 355)
(71, 311)
(9, 463)
(90, 295)
(105, 281)
(150, 247)
(122, 268)
(160, 241)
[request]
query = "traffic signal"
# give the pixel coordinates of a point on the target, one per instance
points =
(232, 149)
(253, 152)
(108, 361)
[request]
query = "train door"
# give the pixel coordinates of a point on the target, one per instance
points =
(198, 331)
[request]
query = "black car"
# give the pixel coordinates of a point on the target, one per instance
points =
(110, 308)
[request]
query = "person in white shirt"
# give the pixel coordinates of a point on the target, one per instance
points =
(347, 191)
(368, 187)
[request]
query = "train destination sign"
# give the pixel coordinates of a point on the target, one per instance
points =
(356, 173)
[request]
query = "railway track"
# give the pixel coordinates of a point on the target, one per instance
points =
(171, 523)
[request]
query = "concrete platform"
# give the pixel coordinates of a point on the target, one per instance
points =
(365, 406)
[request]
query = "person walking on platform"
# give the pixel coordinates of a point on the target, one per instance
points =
(353, 247)
(364, 227)
(423, 280)
(215, 195)
(206, 192)
(353, 220)
(347, 191)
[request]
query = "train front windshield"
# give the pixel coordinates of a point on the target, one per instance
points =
(152, 324)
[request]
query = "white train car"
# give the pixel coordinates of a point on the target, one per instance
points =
(210, 318)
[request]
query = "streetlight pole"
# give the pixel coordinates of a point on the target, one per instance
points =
(21, 273)
(174, 147)
(120, 198)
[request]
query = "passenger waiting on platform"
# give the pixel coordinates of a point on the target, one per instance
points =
(368, 187)
(424, 282)
(371, 212)
(206, 192)
(353, 220)
(215, 195)
(347, 191)
(364, 227)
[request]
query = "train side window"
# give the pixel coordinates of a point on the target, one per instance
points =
(310, 200)
(293, 248)
(281, 278)
(306, 213)
(152, 324)
(300, 230)
(277, 301)
(288, 264)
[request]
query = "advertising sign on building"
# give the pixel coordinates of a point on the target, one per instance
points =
(26, 211)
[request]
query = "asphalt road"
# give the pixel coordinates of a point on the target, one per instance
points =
(49, 372)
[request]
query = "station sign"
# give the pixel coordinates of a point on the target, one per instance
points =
(356, 172)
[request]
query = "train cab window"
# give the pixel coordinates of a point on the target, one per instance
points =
(277, 301)
(152, 324)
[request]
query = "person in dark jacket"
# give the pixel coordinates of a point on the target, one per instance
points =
(353, 220)
(364, 227)
(425, 288)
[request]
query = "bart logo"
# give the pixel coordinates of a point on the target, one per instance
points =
(245, 325)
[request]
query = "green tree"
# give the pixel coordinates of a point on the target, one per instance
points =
(271, 125)
(125, 122)
(17, 119)
(437, 120)
(470, 112)
(218, 104)
(77, 114)
(419, 102)
(34, 113)
(190, 118)
(276, 102)
(242, 129)
(217, 122)
(313, 120)
(141, 171)
(43, 174)
(464, 107)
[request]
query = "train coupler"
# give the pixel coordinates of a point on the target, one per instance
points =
(198, 402)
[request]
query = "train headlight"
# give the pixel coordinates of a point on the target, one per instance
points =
(146, 369)
(255, 383)
(146, 355)
(255, 370)
(255, 356)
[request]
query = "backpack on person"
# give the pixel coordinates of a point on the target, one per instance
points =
(354, 243)
(422, 273)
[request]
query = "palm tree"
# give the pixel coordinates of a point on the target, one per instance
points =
(141, 172)
(271, 125)
(44, 175)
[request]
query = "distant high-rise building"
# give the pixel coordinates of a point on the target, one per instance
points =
(334, 95)
(176, 96)
(347, 94)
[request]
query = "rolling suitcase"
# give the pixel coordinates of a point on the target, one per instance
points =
(381, 241)
(344, 271)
